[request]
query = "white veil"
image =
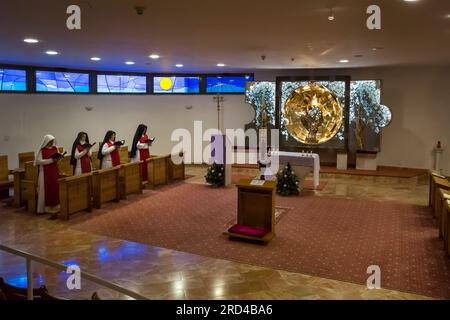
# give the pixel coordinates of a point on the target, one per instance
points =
(47, 138)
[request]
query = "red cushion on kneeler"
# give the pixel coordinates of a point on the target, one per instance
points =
(248, 231)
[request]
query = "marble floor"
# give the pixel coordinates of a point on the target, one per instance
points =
(159, 273)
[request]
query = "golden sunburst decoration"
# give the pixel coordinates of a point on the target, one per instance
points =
(313, 114)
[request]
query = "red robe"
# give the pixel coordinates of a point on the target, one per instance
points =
(51, 176)
(144, 154)
(85, 162)
(115, 156)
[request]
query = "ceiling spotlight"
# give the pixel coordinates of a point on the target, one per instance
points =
(344, 61)
(154, 56)
(96, 59)
(129, 62)
(179, 65)
(30, 40)
(221, 65)
(377, 48)
(52, 52)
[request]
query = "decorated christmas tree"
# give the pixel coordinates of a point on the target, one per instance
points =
(287, 182)
(215, 175)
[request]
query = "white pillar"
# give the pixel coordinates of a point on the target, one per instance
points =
(437, 159)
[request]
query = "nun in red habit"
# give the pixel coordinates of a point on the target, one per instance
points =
(47, 158)
(140, 149)
(80, 158)
(108, 152)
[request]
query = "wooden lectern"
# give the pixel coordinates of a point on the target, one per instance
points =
(256, 211)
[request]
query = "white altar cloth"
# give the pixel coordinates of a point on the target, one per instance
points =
(298, 159)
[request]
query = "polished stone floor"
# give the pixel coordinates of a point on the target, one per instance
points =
(159, 273)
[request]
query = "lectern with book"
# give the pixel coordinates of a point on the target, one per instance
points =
(256, 210)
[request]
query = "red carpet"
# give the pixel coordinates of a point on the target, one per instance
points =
(327, 237)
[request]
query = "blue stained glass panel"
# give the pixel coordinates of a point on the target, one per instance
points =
(52, 81)
(13, 80)
(176, 84)
(121, 84)
(227, 84)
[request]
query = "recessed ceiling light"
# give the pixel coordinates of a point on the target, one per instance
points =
(410, 0)
(221, 65)
(96, 59)
(344, 61)
(154, 56)
(30, 40)
(129, 62)
(448, 16)
(179, 65)
(377, 48)
(52, 52)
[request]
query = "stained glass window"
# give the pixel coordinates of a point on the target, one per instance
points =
(176, 84)
(13, 80)
(121, 84)
(52, 81)
(227, 84)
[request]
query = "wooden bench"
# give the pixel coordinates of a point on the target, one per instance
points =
(75, 194)
(157, 168)
(5, 182)
(64, 167)
(124, 155)
(438, 183)
(26, 185)
(105, 186)
(25, 157)
(176, 171)
(436, 179)
(447, 227)
(26, 181)
(130, 178)
(444, 195)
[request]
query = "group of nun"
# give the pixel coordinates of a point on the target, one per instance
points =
(47, 157)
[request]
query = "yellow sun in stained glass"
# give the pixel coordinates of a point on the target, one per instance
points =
(166, 83)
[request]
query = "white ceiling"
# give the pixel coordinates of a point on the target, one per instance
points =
(201, 33)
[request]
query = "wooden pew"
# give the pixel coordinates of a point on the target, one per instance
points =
(5, 183)
(75, 194)
(105, 186)
(447, 227)
(438, 183)
(435, 179)
(444, 195)
(95, 162)
(157, 168)
(124, 155)
(130, 178)
(176, 171)
(64, 167)
(25, 157)
(28, 185)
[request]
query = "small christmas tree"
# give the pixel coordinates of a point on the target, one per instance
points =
(215, 175)
(287, 182)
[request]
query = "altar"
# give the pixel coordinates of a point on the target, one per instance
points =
(302, 164)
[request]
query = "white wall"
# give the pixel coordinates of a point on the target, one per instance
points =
(26, 118)
(419, 98)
